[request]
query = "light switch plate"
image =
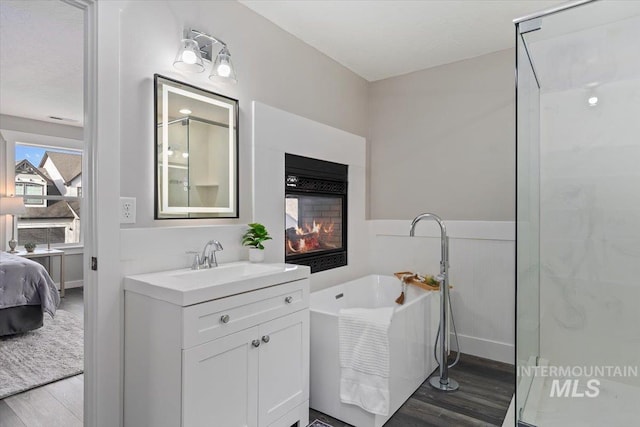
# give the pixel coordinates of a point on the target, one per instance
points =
(127, 210)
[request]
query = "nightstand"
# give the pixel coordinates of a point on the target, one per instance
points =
(51, 253)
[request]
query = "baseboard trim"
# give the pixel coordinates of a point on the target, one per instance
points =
(494, 350)
(71, 284)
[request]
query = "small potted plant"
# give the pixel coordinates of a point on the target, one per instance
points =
(253, 238)
(30, 246)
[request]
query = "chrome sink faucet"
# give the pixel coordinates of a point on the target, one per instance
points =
(208, 258)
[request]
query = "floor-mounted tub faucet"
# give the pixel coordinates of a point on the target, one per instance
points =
(443, 383)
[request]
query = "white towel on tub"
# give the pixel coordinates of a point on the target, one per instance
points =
(364, 358)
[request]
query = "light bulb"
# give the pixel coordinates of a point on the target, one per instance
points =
(189, 57)
(185, 111)
(169, 152)
(593, 101)
(224, 70)
(185, 154)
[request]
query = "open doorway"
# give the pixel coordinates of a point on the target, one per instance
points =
(42, 145)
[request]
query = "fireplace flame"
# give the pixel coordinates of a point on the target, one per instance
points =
(310, 238)
(311, 230)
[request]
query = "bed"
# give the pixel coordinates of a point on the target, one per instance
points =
(26, 293)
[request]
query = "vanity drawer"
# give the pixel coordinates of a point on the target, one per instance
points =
(214, 319)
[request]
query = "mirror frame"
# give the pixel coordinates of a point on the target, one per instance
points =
(210, 213)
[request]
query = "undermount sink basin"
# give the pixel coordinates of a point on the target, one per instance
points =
(187, 287)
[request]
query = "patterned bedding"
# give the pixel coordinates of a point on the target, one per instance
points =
(25, 282)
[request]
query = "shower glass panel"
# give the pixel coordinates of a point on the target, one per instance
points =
(578, 216)
(198, 161)
(528, 221)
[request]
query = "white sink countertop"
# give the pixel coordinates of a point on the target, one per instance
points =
(187, 287)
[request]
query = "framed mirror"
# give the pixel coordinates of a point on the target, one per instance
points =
(196, 152)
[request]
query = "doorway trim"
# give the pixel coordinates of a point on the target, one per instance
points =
(90, 395)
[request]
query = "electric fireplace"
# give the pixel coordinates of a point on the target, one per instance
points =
(315, 213)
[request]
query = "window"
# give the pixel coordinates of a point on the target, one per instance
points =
(31, 190)
(50, 179)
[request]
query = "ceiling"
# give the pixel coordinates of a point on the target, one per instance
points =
(378, 39)
(41, 42)
(41, 60)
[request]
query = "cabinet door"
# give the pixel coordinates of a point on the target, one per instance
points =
(219, 382)
(283, 366)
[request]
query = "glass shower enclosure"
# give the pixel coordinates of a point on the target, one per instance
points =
(578, 215)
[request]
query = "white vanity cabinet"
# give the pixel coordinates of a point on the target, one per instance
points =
(235, 361)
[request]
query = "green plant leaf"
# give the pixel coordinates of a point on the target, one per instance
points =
(255, 235)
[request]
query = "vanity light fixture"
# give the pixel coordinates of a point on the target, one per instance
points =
(196, 48)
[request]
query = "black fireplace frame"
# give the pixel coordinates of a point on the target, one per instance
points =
(305, 176)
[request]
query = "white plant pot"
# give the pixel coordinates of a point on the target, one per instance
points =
(256, 255)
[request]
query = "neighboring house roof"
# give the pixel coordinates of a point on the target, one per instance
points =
(44, 172)
(60, 209)
(75, 206)
(69, 165)
(26, 167)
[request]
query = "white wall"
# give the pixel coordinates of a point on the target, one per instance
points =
(138, 39)
(482, 273)
(21, 124)
(589, 234)
(442, 140)
(3, 189)
(276, 132)
(272, 67)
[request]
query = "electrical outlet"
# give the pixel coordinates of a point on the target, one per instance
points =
(127, 210)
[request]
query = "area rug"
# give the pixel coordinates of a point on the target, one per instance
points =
(45, 355)
(318, 423)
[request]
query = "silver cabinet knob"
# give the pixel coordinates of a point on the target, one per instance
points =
(288, 300)
(255, 343)
(265, 339)
(225, 318)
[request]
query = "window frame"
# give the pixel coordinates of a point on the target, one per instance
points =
(74, 146)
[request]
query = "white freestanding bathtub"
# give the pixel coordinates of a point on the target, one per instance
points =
(412, 335)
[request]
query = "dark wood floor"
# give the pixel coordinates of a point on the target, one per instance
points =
(486, 388)
(59, 404)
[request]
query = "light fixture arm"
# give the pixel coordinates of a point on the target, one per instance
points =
(206, 49)
(208, 36)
